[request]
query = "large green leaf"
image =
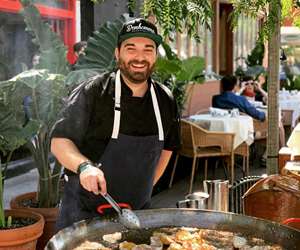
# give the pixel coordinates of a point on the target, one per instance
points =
(191, 68)
(52, 49)
(165, 68)
(168, 66)
(77, 76)
(10, 133)
(99, 53)
(43, 90)
(101, 46)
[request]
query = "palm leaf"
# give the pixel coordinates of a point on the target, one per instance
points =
(191, 68)
(52, 49)
(99, 52)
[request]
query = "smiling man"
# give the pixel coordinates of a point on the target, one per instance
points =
(118, 130)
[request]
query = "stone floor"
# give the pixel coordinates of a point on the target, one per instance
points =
(168, 197)
(164, 197)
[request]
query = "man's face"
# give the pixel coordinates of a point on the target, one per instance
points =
(136, 58)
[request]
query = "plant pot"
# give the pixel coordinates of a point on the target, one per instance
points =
(49, 214)
(23, 238)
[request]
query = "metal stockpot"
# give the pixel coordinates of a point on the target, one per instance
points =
(218, 191)
(196, 200)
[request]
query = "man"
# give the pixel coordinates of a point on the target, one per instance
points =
(118, 131)
(229, 100)
(78, 49)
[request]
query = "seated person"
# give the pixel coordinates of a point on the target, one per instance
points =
(78, 49)
(229, 100)
(253, 90)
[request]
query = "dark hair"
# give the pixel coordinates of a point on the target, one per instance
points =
(78, 46)
(246, 78)
(228, 82)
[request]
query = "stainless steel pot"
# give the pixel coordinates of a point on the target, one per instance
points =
(218, 191)
(93, 230)
(196, 200)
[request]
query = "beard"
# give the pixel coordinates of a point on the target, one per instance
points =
(136, 77)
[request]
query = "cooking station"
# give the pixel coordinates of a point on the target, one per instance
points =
(93, 230)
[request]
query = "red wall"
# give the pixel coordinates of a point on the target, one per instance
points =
(67, 15)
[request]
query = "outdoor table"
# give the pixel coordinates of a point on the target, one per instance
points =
(294, 105)
(241, 126)
(290, 101)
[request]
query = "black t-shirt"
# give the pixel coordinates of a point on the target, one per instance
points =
(88, 117)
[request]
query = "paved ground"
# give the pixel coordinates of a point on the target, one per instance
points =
(27, 182)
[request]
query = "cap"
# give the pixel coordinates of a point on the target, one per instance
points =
(139, 28)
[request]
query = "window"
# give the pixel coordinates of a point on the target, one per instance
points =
(245, 37)
(16, 47)
(186, 47)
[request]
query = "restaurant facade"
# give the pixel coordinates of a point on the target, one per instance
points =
(223, 49)
(16, 47)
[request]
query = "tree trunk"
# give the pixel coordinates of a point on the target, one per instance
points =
(87, 18)
(273, 88)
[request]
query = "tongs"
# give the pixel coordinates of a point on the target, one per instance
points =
(126, 216)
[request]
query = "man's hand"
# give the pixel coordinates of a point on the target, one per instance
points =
(92, 179)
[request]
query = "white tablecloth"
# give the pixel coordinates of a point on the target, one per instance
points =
(291, 104)
(241, 126)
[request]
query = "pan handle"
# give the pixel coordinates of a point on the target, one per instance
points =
(291, 220)
(101, 208)
(183, 202)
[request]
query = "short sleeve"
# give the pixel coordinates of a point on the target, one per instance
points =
(74, 119)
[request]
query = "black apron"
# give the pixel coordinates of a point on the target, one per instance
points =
(128, 163)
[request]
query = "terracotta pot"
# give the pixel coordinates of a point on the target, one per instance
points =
(49, 214)
(23, 238)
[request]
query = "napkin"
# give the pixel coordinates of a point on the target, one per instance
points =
(218, 112)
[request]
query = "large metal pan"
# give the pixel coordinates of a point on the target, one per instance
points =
(93, 230)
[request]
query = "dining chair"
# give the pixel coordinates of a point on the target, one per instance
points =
(244, 151)
(260, 129)
(202, 111)
(287, 118)
(197, 142)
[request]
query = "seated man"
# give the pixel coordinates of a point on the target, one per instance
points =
(229, 100)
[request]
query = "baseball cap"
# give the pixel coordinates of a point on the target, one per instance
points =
(139, 28)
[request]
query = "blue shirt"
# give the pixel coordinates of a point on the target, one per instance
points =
(229, 100)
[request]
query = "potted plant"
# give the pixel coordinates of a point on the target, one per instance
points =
(45, 86)
(40, 92)
(45, 91)
(18, 229)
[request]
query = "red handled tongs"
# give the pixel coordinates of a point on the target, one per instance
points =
(126, 216)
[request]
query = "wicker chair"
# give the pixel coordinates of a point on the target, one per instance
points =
(260, 129)
(202, 111)
(244, 151)
(200, 143)
(287, 117)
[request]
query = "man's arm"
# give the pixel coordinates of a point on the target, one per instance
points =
(250, 110)
(70, 157)
(162, 164)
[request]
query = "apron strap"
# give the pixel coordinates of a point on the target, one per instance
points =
(117, 116)
(117, 109)
(157, 114)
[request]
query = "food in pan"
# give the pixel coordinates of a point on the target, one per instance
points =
(185, 238)
(112, 238)
(88, 245)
